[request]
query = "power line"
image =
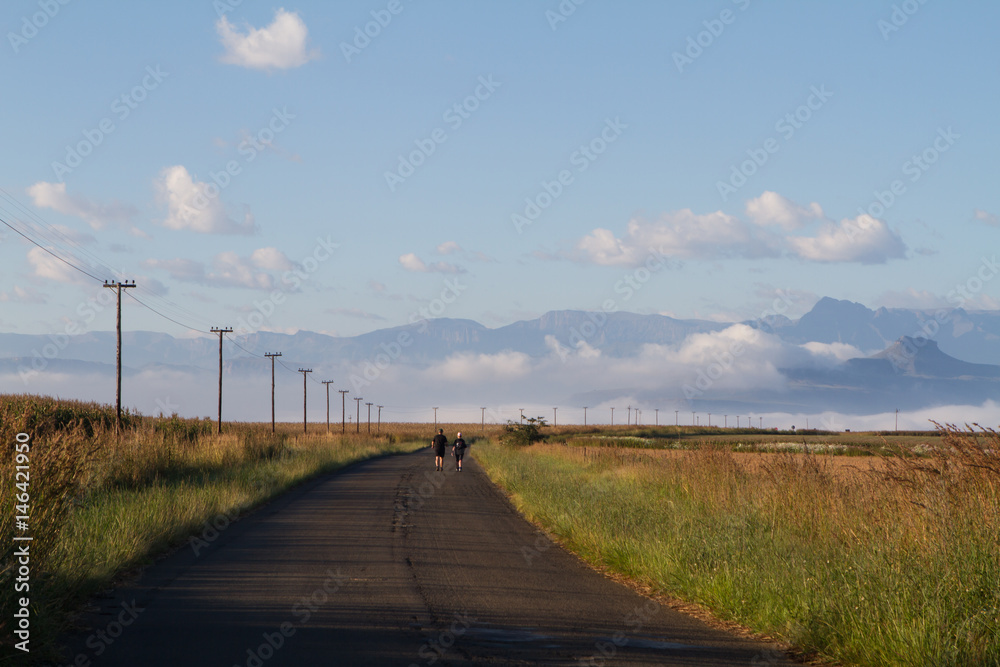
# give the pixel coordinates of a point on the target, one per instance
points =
(64, 261)
(166, 317)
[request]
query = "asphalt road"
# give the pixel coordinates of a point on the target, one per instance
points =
(390, 563)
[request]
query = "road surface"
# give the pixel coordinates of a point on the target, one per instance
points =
(390, 563)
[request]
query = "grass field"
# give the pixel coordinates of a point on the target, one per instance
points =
(882, 560)
(101, 505)
(888, 554)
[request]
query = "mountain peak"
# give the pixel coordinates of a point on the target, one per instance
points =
(922, 356)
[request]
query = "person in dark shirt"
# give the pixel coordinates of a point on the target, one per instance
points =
(458, 449)
(439, 443)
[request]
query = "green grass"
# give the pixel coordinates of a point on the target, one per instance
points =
(102, 505)
(898, 568)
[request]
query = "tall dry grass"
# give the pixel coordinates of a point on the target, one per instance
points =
(103, 502)
(895, 564)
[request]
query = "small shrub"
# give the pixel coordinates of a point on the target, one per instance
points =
(524, 433)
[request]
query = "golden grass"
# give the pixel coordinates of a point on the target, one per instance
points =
(896, 562)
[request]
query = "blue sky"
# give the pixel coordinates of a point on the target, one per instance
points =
(712, 155)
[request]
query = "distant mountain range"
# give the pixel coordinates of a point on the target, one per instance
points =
(902, 358)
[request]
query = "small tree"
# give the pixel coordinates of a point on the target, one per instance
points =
(523, 433)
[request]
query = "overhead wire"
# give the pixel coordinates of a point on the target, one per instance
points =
(60, 241)
(50, 252)
(51, 234)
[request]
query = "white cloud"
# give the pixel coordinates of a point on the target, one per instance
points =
(912, 298)
(863, 239)
(477, 368)
(195, 205)
(97, 215)
(835, 352)
(22, 295)
(773, 209)
(271, 259)
(228, 269)
(687, 235)
(281, 45)
(356, 313)
(187, 270)
(233, 270)
(987, 217)
(44, 265)
(411, 262)
(448, 247)
(682, 234)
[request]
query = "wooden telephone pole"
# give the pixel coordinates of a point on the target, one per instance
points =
(220, 331)
(327, 383)
(369, 417)
(272, 355)
(343, 410)
(305, 424)
(118, 353)
(357, 419)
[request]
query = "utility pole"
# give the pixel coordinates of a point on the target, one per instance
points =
(585, 415)
(522, 413)
(677, 418)
(612, 416)
(737, 421)
(305, 424)
(435, 418)
(272, 355)
(897, 420)
(483, 425)
(709, 418)
(554, 416)
(118, 350)
(327, 383)
(220, 331)
(369, 404)
(357, 419)
(725, 421)
(657, 411)
(343, 411)
(760, 422)
(379, 428)
(628, 419)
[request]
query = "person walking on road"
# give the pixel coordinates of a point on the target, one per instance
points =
(439, 443)
(458, 449)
